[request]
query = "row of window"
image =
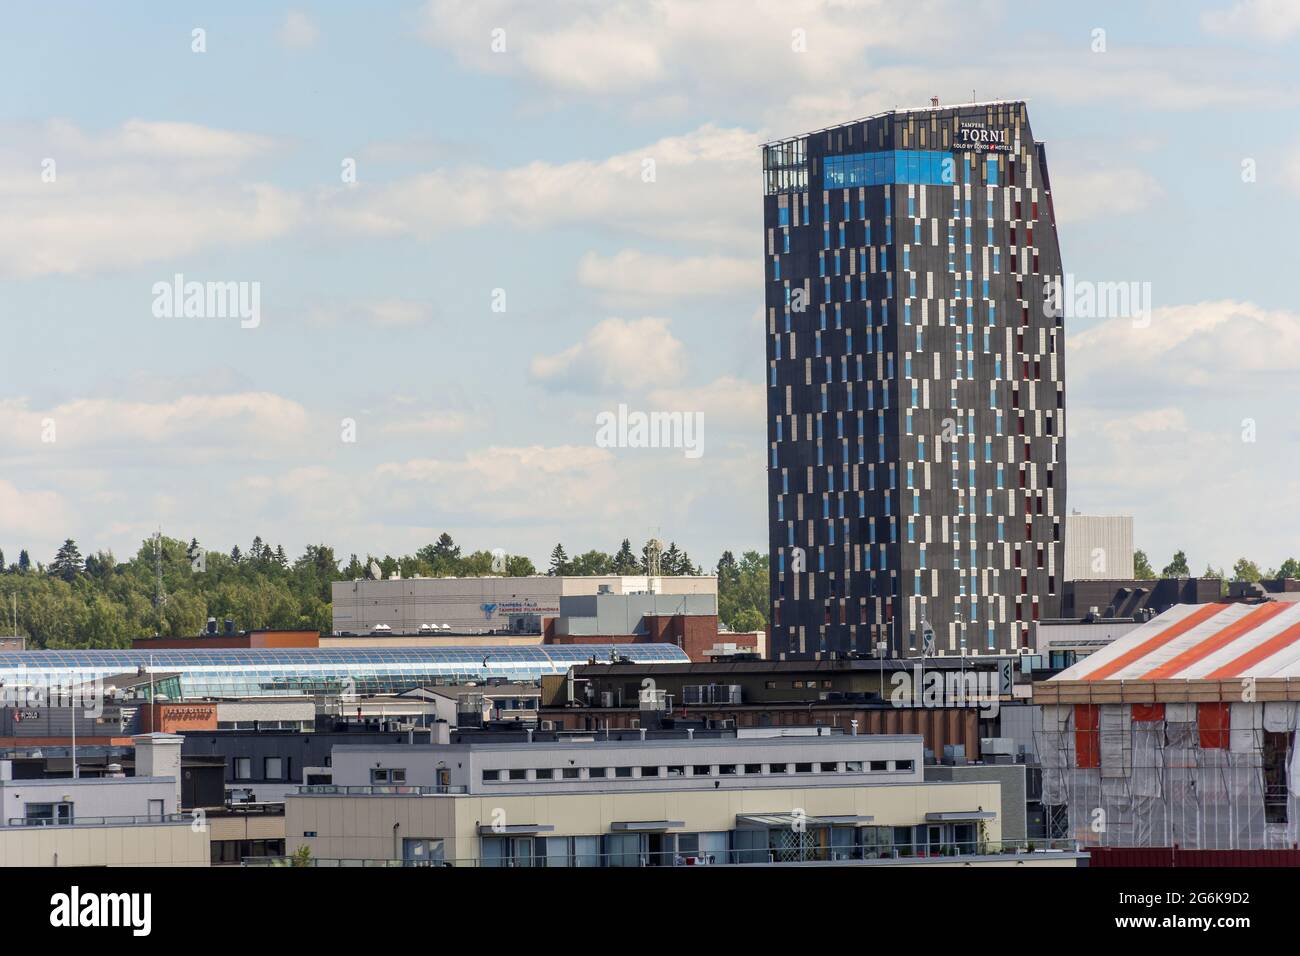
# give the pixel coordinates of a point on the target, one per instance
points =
(749, 845)
(273, 768)
(696, 770)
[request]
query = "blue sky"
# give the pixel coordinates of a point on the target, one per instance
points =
(521, 170)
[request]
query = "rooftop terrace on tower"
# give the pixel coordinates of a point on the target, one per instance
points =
(993, 127)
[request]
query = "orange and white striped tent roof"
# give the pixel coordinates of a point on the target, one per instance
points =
(1201, 642)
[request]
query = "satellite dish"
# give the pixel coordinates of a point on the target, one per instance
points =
(927, 639)
(374, 572)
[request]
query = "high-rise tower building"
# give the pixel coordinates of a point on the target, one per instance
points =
(915, 393)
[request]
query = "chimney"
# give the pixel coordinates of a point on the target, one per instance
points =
(159, 755)
(934, 101)
(230, 627)
(212, 626)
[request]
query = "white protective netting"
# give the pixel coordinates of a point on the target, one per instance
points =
(1158, 787)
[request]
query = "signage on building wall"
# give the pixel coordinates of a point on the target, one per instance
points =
(516, 607)
(976, 138)
(188, 713)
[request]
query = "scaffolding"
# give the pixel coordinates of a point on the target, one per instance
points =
(1169, 775)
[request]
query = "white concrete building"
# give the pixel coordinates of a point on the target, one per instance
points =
(485, 604)
(1098, 547)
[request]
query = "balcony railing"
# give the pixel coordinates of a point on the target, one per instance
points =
(377, 790)
(79, 821)
(883, 855)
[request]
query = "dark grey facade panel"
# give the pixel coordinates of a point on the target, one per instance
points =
(923, 330)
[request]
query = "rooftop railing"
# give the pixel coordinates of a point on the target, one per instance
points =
(80, 821)
(1013, 850)
(378, 790)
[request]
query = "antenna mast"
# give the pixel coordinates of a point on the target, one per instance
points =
(159, 595)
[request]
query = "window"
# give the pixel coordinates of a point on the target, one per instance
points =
(649, 771)
(803, 768)
(702, 770)
(853, 766)
(879, 765)
(243, 768)
(518, 774)
(420, 851)
(386, 775)
(830, 768)
(622, 771)
(571, 773)
(48, 814)
(490, 776)
(778, 768)
(677, 771)
(545, 773)
(753, 768)
(903, 765)
(273, 768)
(727, 769)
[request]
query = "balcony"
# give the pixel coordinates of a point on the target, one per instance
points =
(377, 790)
(149, 819)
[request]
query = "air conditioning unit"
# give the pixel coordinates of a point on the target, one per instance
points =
(547, 725)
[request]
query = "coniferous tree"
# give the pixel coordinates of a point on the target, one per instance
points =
(559, 561)
(67, 564)
(625, 560)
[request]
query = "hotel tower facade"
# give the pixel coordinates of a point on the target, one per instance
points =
(915, 385)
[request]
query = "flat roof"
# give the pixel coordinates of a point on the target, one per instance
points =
(897, 110)
(729, 742)
(184, 659)
(687, 668)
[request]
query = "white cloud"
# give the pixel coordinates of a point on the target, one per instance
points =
(633, 275)
(615, 354)
(1226, 346)
(1273, 21)
(703, 191)
(678, 47)
(1081, 192)
(428, 424)
(382, 313)
(726, 401)
(739, 55)
(298, 31)
(30, 513)
(1189, 424)
(254, 422)
(143, 192)
(509, 483)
